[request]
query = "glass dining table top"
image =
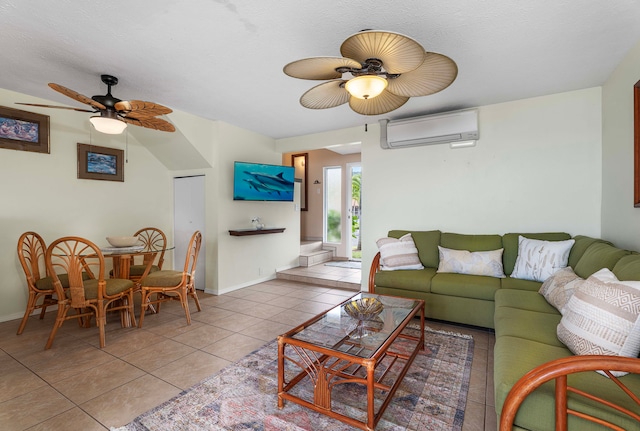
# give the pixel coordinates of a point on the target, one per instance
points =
(337, 330)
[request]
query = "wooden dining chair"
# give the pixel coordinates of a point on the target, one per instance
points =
(154, 240)
(92, 294)
(31, 251)
(167, 285)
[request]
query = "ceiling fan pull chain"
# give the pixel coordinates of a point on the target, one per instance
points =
(126, 147)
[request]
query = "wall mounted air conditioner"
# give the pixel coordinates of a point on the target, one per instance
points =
(435, 129)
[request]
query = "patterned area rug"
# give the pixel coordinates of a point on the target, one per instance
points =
(353, 264)
(243, 396)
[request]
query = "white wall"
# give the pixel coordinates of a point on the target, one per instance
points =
(41, 192)
(536, 167)
(620, 220)
(244, 260)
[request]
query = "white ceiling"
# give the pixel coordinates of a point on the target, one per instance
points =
(223, 59)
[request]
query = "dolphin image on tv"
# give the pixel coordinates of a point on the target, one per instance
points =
(273, 182)
(259, 187)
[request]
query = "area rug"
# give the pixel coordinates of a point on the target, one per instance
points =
(243, 396)
(352, 264)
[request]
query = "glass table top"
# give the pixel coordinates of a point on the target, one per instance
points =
(336, 329)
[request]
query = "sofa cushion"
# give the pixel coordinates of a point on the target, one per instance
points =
(426, 242)
(532, 325)
(398, 253)
(524, 300)
(628, 267)
(510, 244)
(459, 241)
(559, 288)
(598, 255)
(517, 283)
(467, 286)
(538, 259)
(487, 263)
(581, 245)
(414, 280)
(603, 317)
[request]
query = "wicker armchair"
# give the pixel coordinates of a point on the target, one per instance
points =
(31, 251)
(166, 285)
(559, 370)
(153, 239)
(73, 256)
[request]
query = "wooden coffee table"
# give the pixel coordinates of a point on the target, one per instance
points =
(335, 348)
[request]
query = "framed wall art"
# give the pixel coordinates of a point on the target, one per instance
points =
(25, 131)
(100, 163)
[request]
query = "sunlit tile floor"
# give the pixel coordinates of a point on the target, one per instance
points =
(77, 386)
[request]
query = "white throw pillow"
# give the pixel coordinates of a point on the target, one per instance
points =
(537, 260)
(487, 263)
(398, 253)
(603, 317)
(559, 288)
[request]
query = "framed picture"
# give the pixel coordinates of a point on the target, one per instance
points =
(25, 131)
(100, 163)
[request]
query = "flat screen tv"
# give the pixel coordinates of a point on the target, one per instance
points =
(258, 182)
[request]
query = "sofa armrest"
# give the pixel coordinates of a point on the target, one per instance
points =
(558, 370)
(375, 267)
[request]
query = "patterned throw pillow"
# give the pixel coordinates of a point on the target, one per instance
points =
(537, 260)
(559, 288)
(487, 263)
(398, 253)
(603, 317)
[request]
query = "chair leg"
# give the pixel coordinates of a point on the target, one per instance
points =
(45, 304)
(60, 317)
(131, 310)
(194, 295)
(31, 305)
(144, 303)
(101, 320)
(184, 299)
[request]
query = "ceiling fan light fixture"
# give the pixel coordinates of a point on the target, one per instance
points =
(109, 124)
(366, 86)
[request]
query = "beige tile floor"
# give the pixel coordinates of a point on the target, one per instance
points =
(77, 386)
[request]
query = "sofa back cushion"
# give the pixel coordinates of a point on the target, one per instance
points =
(426, 242)
(598, 255)
(628, 267)
(510, 245)
(581, 245)
(459, 241)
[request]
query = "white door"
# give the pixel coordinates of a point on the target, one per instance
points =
(188, 217)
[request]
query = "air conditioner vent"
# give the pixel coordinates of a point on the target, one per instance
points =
(430, 129)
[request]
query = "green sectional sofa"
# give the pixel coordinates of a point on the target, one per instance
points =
(524, 322)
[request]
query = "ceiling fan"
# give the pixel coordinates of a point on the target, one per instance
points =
(388, 68)
(115, 113)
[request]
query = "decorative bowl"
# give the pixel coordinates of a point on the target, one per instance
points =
(363, 308)
(122, 241)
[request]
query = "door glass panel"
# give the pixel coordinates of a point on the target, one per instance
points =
(333, 204)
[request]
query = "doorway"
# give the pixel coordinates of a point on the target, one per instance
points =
(353, 187)
(188, 217)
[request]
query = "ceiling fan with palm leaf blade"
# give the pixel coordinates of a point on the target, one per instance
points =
(115, 113)
(388, 68)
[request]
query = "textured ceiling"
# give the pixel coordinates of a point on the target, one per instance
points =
(223, 59)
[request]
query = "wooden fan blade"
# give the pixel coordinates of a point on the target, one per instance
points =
(151, 123)
(319, 67)
(385, 102)
(435, 74)
(141, 109)
(56, 107)
(326, 95)
(77, 96)
(398, 53)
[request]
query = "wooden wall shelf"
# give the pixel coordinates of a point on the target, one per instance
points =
(245, 232)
